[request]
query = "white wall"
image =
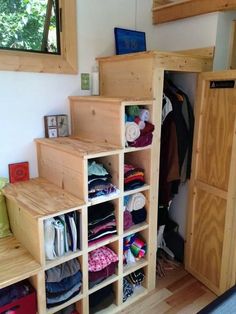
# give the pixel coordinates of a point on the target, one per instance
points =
(26, 97)
(222, 51)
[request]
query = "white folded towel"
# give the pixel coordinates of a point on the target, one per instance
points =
(144, 115)
(132, 131)
(49, 238)
(136, 202)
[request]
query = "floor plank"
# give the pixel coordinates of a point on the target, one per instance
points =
(177, 293)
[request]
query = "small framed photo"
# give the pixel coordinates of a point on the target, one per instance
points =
(56, 125)
(129, 41)
(18, 172)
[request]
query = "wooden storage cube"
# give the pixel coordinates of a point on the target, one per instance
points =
(139, 159)
(137, 255)
(106, 275)
(101, 224)
(25, 302)
(66, 291)
(137, 284)
(62, 237)
(136, 219)
(97, 118)
(134, 75)
(111, 164)
(138, 125)
(108, 297)
(61, 162)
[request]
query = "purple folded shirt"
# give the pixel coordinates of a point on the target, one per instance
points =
(128, 221)
(104, 273)
(142, 141)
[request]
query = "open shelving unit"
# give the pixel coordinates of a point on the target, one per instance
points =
(98, 133)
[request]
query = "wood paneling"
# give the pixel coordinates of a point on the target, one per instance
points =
(210, 247)
(215, 141)
(201, 52)
(132, 75)
(187, 8)
(208, 235)
(89, 114)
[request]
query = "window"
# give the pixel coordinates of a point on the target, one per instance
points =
(53, 49)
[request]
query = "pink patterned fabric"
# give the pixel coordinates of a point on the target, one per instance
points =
(128, 168)
(101, 258)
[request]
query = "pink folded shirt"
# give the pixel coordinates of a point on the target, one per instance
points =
(101, 258)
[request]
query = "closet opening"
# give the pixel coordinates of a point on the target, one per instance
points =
(179, 94)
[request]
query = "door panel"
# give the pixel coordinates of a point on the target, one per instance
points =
(211, 236)
(207, 239)
(216, 137)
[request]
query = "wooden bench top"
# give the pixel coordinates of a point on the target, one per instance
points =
(16, 263)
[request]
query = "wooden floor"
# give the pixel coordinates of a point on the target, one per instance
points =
(178, 292)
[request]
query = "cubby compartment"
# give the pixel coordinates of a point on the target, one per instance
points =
(103, 178)
(135, 248)
(137, 171)
(103, 222)
(75, 308)
(136, 211)
(19, 298)
(62, 237)
(135, 285)
(64, 285)
(138, 125)
(103, 264)
(104, 300)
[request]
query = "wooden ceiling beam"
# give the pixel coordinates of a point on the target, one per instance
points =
(182, 9)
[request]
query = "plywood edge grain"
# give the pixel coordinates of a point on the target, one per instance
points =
(205, 52)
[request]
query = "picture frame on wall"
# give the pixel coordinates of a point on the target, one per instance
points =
(129, 41)
(56, 125)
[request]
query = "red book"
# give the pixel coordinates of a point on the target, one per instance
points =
(18, 172)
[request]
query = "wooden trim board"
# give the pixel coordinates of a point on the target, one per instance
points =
(66, 62)
(188, 8)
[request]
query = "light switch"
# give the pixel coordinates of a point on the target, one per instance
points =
(85, 81)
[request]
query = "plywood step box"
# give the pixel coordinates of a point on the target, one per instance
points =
(30, 204)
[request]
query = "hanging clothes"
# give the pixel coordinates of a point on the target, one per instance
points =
(176, 142)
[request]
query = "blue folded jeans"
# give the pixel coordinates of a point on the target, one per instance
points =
(65, 284)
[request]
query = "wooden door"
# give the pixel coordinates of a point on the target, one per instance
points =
(211, 234)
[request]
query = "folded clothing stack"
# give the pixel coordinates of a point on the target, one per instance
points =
(133, 177)
(131, 282)
(101, 299)
(63, 282)
(101, 222)
(14, 292)
(134, 248)
(99, 181)
(61, 235)
(134, 210)
(138, 131)
(102, 264)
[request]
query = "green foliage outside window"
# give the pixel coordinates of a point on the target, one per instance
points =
(29, 25)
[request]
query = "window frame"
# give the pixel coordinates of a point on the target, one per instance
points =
(65, 63)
